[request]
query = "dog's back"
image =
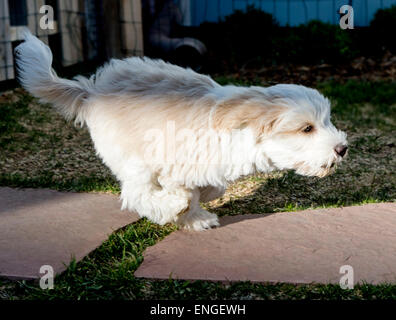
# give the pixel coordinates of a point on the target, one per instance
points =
(144, 76)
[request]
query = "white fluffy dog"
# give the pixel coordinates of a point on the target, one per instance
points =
(173, 137)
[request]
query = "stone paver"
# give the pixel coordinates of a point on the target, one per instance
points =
(297, 247)
(45, 227)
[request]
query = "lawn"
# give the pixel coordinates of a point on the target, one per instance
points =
(39, 149)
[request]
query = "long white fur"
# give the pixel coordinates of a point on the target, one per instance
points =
(211, 134)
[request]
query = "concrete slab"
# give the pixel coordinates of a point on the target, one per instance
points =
(45, 227)
(296, 247)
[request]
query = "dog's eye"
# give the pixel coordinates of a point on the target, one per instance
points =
(308, 129)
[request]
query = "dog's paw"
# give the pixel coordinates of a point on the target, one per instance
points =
(198, 221)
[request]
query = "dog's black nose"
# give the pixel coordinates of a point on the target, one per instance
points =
(341, 149)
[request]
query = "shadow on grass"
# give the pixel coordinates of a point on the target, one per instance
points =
(291, 192)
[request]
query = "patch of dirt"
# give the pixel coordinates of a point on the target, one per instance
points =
(361, 68)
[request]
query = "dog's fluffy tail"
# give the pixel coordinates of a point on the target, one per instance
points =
(36, 75)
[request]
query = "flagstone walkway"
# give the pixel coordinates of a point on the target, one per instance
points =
(45, 227)
(295, 247)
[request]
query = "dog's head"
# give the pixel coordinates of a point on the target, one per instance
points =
(292, 128)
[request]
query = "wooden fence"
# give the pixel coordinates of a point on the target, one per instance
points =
(82, 29)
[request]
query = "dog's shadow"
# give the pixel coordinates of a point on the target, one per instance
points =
(252, 206)
(227, 220)
(273, 195)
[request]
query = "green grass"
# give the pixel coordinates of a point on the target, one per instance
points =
(39, 149)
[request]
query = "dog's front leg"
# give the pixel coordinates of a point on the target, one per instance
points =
(196, 218)
(191, 217)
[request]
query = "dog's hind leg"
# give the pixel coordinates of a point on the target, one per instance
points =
(162, 201)
(153, 201)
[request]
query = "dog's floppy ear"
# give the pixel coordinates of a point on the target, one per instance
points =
(239, 113)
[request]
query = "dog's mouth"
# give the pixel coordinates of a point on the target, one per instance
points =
(327, 169)
(320, 171)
